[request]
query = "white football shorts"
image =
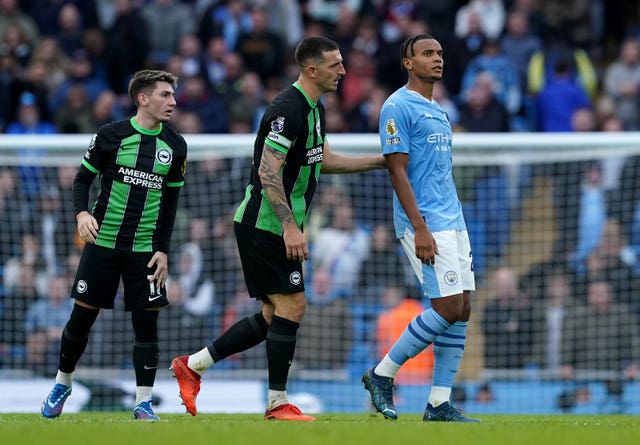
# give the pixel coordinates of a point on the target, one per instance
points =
(453, 270)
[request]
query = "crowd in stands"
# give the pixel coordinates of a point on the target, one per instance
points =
(510, 66)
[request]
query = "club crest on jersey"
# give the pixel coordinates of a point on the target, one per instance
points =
(451, 278)
(277, 125)
(391, 127)
(164, 156)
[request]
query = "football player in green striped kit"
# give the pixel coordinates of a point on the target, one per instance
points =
(290, 152)
(140, 163)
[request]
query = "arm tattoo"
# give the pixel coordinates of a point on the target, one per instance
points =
(270, 165)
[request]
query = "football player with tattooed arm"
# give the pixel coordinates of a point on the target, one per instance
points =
(290, 152)
(140, 163)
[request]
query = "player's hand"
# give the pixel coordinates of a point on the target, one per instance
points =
(426, 247)
(87, 227)
(159, 260)
(295, 243)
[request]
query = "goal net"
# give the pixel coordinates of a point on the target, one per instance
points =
(554, 225)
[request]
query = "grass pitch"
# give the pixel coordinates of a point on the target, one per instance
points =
(337, 429)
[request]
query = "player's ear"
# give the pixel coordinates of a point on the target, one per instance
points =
(406, 63)
(312, 71)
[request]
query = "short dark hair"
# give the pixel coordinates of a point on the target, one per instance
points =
(406, 49)
(145, 80)
(312, 48)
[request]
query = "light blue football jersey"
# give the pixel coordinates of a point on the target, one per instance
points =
(410, 123)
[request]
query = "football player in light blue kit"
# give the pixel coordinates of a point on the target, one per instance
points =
(416, 140)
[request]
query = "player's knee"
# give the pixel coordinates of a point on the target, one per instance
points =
(80, 321)
(145, 326)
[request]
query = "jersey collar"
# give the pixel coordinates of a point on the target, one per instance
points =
(312, 103)
(144, 130)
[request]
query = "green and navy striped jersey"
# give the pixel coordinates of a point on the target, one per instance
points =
(295, 125)
(135, 166)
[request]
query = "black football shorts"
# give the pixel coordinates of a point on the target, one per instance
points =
(98, 279)
(265, 265)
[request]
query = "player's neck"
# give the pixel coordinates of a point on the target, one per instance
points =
(147, 122)
(424, 89)
(309, 88)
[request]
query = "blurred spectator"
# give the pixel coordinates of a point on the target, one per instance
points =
(14, 41)
(622, 83)
(42, 12)
(214, 69)
(95, 42)
(44, 322)
(612, 261)
(591, 215)
(249, 104)
(70, 29)
(340, 248)
(336, 119)
(128, 45)
(480, 110)
(54, 228)
(458, 52)
(80, 72)
(344, 30)
(193, 96)
(106, 108)
(325, 339)
(491, 14)
(359, 79)
(600, 335)
(400, 308)
(364, 116)
(576, 67)
(262, 50)
(197, 288)
(535, 18)
(549, 315)
(190, 54)
(187, 122)
(34, 81)
(285, 18)
(167, 21)
(75, 114)
(12, 15)
(225, 19)
(48, 52)
(519, 44)
(506, 323)
(559, 99)
(27, 257)
(506, 86)
(447, 103)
